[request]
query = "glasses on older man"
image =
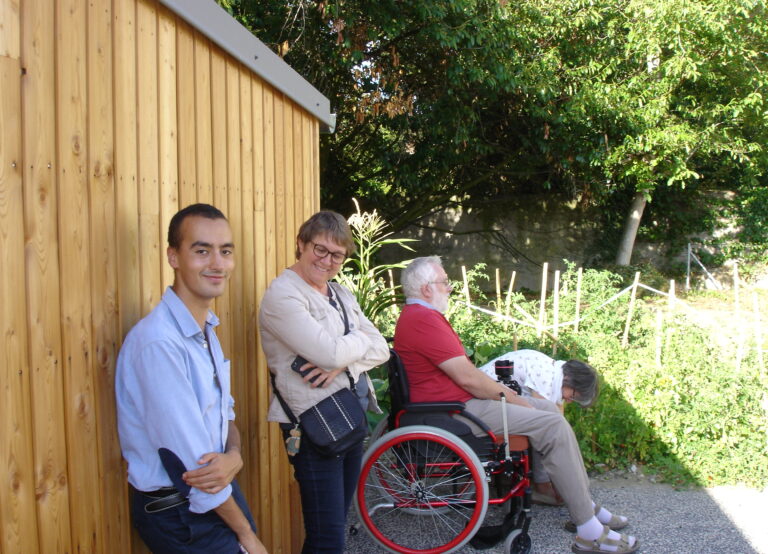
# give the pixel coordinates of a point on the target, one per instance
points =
(321, 252)
(445, 282)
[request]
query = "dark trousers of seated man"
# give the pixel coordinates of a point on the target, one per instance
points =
(177, 530)
(552, 436)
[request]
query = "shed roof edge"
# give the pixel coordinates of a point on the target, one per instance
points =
(221, 28)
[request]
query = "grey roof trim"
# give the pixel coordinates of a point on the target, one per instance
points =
(214, 22)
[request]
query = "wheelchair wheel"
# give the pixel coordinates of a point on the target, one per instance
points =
(380, 429)
(517, 543)
(382, 477)
(421, 490)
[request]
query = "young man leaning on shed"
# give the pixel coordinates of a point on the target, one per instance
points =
(174, 407)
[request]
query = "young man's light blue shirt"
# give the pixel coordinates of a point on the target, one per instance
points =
(173, 391)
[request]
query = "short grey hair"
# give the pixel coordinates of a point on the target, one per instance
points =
(330, 225)
(582, 378)
(419, 272)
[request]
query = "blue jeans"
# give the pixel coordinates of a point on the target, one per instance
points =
(177, 530)
(326, 486)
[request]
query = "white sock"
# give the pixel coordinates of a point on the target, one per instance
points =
(592, 529)
(604, 516)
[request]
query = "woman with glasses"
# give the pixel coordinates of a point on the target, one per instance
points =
(557, 381)
(317, 341)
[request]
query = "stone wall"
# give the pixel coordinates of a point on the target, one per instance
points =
(525, 233)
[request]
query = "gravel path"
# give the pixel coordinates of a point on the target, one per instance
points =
(722, 520)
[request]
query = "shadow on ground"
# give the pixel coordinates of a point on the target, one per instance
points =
(666, 520)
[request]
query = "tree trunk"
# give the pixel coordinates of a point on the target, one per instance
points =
(630, 229)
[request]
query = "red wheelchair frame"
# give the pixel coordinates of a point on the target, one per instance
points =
(424, 485)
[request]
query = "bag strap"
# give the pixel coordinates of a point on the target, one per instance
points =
(345, 317)
(283, 403)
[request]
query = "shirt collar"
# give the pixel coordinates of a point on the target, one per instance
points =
(420, 302)
(183, 316)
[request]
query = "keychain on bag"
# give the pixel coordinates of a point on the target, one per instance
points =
(293, 441)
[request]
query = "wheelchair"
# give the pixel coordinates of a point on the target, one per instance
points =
(427, 480)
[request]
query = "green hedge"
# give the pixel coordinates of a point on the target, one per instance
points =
(695, 418)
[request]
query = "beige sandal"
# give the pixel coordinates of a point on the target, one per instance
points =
(622, 544)
(616, 523)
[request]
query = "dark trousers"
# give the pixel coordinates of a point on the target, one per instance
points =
(177, 530)
(327, 486)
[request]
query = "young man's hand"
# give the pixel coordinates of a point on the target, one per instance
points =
(219, 472)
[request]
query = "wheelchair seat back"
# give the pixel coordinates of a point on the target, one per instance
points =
(436, 414)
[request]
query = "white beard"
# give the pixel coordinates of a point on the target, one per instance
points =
(441, 303)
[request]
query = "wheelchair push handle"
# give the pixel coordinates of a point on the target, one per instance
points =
(504, 423)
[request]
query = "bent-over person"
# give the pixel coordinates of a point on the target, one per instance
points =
(558, 381)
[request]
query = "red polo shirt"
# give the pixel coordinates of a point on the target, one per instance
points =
(424, 339)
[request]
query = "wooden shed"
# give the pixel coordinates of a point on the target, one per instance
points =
(113, 115)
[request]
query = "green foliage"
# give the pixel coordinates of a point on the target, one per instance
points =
(695, 418)
(444, 102)
(367, 281)
(695, 411)
(749, 244)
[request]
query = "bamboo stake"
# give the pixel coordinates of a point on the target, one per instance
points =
(466, 285)
(498, 291)
(758, 332)
(508, 300)
(671, 297)
(659, 335)
(737, 311)
(542, 302)
(578, 301)
(556, 310)
(530, 318)
(507, 303)
(625, 338)
(393, 307)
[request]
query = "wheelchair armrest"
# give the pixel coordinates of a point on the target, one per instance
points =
(421, 407)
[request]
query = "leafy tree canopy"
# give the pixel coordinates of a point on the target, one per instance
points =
(469, 101)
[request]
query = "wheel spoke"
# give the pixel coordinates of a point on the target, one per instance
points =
(423, 479)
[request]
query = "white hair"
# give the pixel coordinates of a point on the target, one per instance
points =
(418, 273)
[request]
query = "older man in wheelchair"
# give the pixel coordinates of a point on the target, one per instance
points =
(415, 472)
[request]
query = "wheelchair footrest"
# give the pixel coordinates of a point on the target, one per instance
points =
(489, 536)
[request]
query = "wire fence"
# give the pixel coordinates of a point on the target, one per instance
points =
(745, 319)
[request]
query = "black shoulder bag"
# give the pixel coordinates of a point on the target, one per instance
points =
(335, 424)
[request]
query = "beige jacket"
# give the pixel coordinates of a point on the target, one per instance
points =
(295, 318)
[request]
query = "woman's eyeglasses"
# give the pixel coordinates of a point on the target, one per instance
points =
(321, 252)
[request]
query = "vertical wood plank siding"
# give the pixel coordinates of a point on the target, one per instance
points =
(115, 114)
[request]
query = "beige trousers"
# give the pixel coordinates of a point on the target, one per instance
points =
(552, 436)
